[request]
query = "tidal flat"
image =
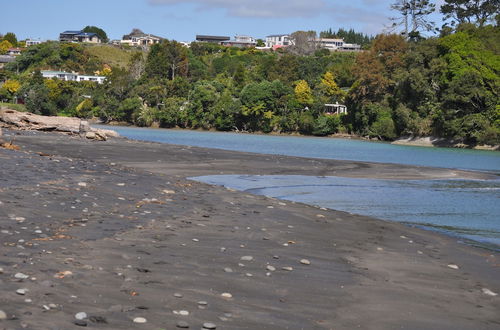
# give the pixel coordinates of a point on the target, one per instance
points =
(113, 235)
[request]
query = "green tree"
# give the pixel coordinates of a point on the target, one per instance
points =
(100, 32)
(478, 12)
(167, 60)
(11, 37)
(413, 16)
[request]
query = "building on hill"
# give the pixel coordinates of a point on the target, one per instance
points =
(15, 51)
(241, 42)
(336, 44)
(138, 38)
(335, 109)
(212, 39)
(278, 40)
(4, 59)
(31, 42)
(71, 76)
(79, 36)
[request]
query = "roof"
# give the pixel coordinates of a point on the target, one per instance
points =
(222, 38)
(86, 34)
(72, 32)
(277, 35)
(55, 72)
(140, 35)
(7, 58)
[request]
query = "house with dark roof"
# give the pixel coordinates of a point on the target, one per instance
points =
(212, 39)
(79, 36)
(240, 42)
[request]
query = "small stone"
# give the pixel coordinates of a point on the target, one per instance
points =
(288, 269)
(305, 262)
(209, 325)
(3, 315)
(140, 320)
(452, 266)
(21, 276)
(226, 295)
(195, 240)
(270, 268)
(246, 258)
(228, 270)
(81, 316)
(182, 325)
(80, 323)
(178, 295)
(21, 292)
(202, 303)
(82, 184)
(1, 270)
(184, 313)
(489, 292)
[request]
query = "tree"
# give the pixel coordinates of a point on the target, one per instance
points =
(303, 93)
(329, 87)
(11, 37)
(4, 46)
(303, 42)
(260, 43)
(100, 32)
(167, 59)
(470, 11)
(414, 16)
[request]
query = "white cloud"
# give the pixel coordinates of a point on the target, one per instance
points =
(257, 8)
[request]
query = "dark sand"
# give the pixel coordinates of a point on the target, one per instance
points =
(114, 229)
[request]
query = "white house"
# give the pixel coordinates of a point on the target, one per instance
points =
(31, 42)
(69, 76)
(79, 36)
(335, 109)
(336, 44)
(278, 40)
(241, 42)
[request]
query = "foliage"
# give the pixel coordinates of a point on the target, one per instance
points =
(4, 46)
(303, 93)
(11, 38)
(466, 11)
(100, 32)
(413, 16)
(349, 36)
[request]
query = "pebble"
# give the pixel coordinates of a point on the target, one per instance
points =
(182, 325)
(81, 316)
(1, 270)
(178, 295)
(140, 320)
(305, 262)
(209, 325)
(3, 315)
(228, 270)
(271, 268)
(489, 292)
(227, 295)
(82, 184)
(184, 313)
(288, 269)
(21, 276)
(202, 303)
(21, 292)
(247, 258)
(452, 266)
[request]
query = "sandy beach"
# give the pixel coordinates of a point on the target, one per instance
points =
(112, 235)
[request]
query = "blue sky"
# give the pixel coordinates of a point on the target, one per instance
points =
(183, 19)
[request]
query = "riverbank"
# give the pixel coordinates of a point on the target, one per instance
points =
(114, 229)
(430, 141)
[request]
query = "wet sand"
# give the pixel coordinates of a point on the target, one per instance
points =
(114, 229)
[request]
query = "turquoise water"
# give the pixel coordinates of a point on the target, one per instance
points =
(322, 148)
(467, 209)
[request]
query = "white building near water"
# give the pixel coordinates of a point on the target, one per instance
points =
(70, 76)
(336, 44)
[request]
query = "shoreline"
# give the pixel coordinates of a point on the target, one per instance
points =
(129, 236)
(425, 141)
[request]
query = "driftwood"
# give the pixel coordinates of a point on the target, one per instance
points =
(28, 121)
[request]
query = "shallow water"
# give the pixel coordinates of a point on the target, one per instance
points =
(327, 148)
(468, 209)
